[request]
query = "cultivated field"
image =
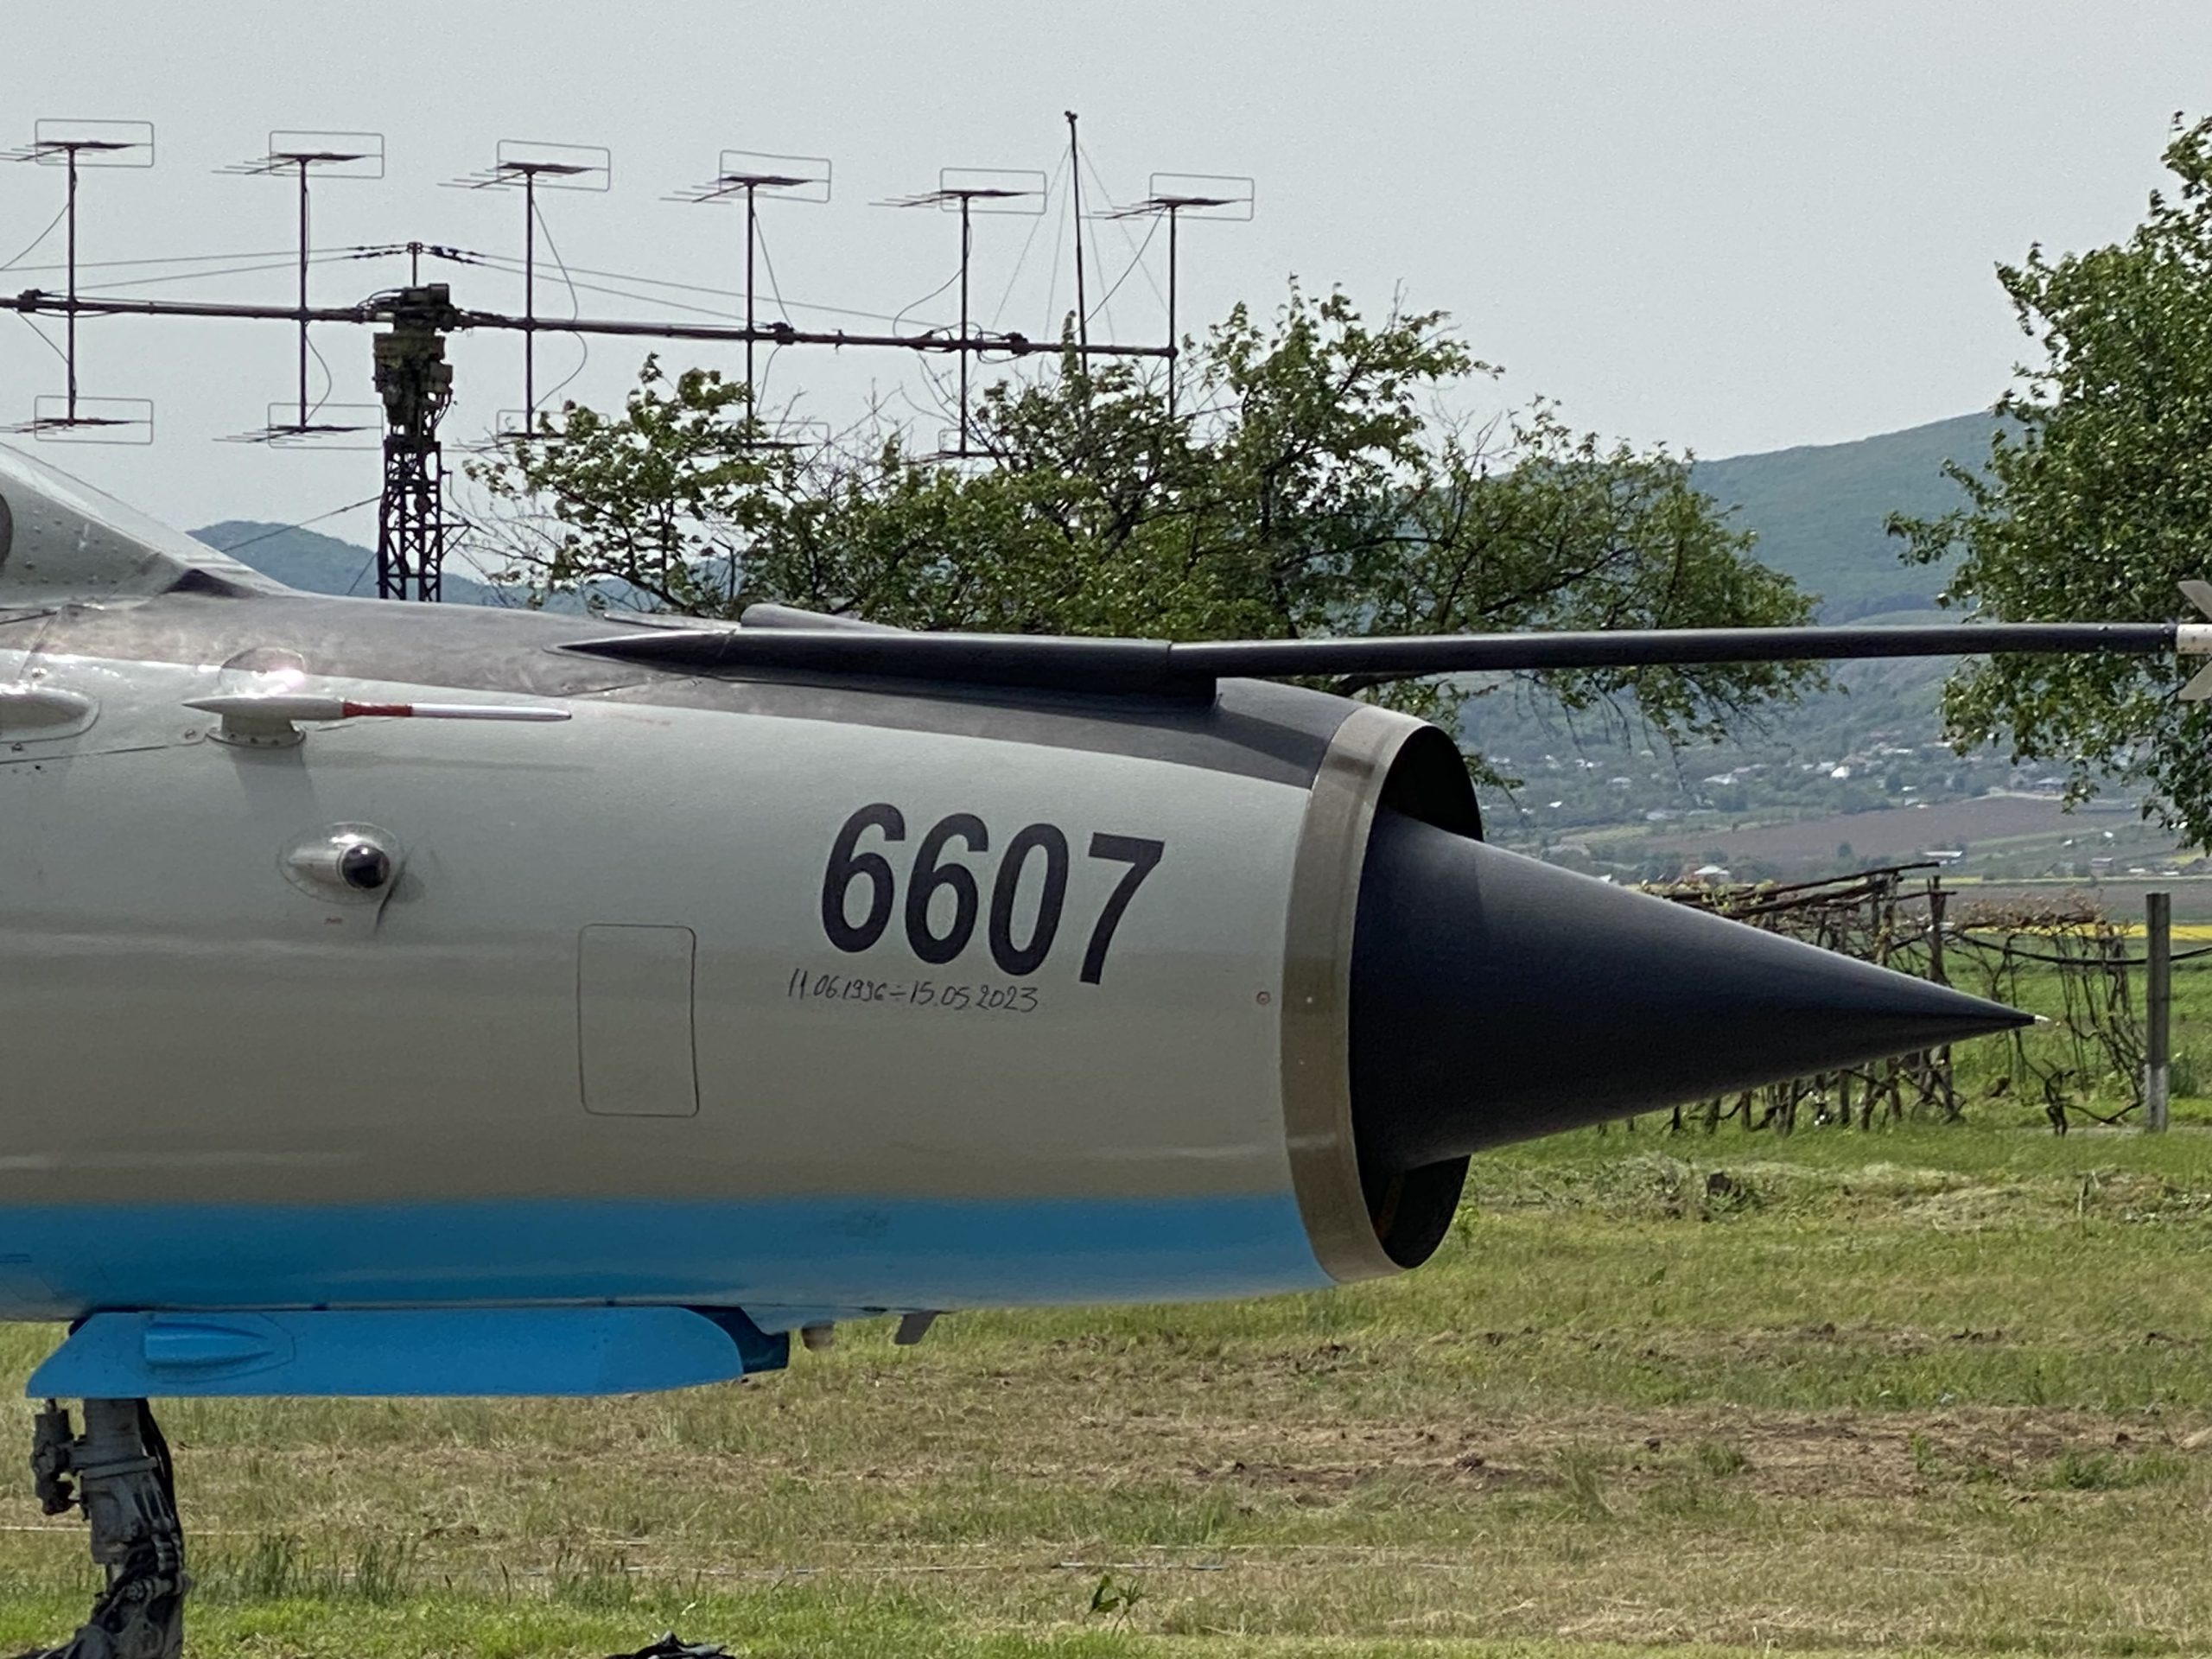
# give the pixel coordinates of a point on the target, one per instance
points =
(2013, 832)
(1936, 1391)
(2121, 898)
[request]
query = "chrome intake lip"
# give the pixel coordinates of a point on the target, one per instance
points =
(1375, 758)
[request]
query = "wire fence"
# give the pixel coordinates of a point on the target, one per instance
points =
(2068, 961)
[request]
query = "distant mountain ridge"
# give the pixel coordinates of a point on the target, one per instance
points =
(316, 563)
(1818, 510)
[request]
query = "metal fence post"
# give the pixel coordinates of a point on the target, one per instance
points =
(2157, 1006)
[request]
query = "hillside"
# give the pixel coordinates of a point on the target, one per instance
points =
(1818, 510)
(1778, 800)
(316, 563)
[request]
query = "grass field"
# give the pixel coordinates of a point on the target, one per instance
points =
(1929, 1390)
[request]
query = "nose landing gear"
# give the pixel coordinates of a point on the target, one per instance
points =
(118, 1472)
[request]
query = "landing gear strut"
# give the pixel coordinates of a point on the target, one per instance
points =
(118, 1471)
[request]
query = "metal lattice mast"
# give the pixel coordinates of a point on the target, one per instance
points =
(416, 383)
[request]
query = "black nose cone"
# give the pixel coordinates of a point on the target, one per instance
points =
(1495, 998)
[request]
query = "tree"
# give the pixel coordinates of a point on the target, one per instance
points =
(2096, 501)
(1305, 486)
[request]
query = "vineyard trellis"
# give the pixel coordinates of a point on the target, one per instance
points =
(2084, 1061)
(2094, 1043)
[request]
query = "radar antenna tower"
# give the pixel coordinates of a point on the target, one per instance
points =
(746, 174)
(298, 154)
(1171, 195)
(416, 383)
(75, 146)
(414, 379)
(532, 168)
(969, 191)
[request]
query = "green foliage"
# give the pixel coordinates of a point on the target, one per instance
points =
(1116, 1599)
(664, 496)
(1304, 487)
(2098, 502)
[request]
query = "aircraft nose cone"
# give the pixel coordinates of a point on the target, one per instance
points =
(1495, 998)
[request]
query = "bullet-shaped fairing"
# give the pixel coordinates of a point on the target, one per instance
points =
(1495, 998)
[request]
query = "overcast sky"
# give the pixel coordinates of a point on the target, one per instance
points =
(1732, 227)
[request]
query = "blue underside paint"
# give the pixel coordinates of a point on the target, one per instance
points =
(497, 1351)
(63, 1260)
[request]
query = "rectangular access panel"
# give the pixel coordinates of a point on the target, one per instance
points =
(634, 1042)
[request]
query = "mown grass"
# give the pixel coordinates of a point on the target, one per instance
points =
(1932, 1390)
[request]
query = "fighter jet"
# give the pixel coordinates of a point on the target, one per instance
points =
(402, 999)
